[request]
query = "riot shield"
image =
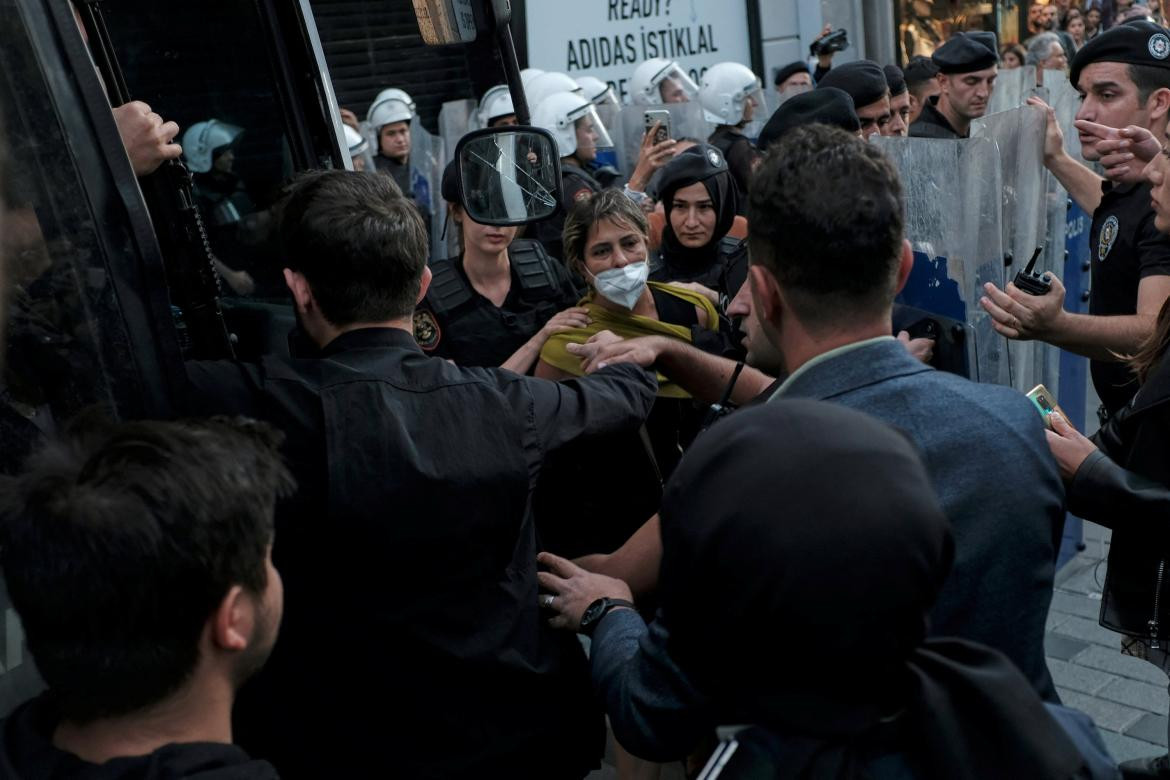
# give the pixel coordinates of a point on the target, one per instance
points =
(426, 174)
(456, 119)
(953, 221)
(686, 121)
(1019, 137)
(1012, 88)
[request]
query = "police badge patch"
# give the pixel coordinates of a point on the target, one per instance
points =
(714, 158)
(1159, 46)
(1107, 238)
(426, 329)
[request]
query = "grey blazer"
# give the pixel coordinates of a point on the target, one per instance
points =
(985, 451)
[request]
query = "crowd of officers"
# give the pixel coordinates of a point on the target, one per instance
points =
(473, 459)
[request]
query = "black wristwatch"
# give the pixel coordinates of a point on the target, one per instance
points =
(597, 610)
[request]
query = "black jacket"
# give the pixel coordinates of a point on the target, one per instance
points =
(932, 124)
(412, 643)
(1126, 487)
(27, 753)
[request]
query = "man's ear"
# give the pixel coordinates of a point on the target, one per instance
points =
(234, 620)
(424, 284)
(1158, 104)
(767, 302)
(905, 266)
(298, 285)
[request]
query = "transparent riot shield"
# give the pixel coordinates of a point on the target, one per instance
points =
(1019, 137)
(1012, 88)
(456, 119)
(427, 160)
(686, 121)
(953, 221)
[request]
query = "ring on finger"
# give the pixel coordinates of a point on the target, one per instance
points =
(548, 601)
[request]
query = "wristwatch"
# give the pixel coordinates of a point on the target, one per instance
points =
(597, 610)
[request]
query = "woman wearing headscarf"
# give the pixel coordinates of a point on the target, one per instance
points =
(698, 195)
(803, 548)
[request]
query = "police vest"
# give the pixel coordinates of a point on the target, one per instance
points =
(724, 276)
(474, 332)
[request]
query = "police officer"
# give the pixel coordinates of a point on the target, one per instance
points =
(659, 81)
(732, 96)
(700, 203)
(499, 300)
(495, 107)
(389, 119)
(967, 67)
(865, 81)
(1124, 78)
(899, 101)
(579, 133)
(921, 76)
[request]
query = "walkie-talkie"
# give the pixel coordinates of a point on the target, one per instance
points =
(1032, 282)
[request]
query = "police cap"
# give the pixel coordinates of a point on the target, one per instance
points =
(895, 79)
(864, 80)
(788, 71)
(823, 105)
(1133, 43)
(966, 52)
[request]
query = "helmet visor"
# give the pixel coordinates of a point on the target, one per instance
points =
(591, 131)
(675, 86)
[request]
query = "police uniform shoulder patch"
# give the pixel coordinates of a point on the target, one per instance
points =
(1159, 46)
(426, 329)
(714, 158)
(1107, 238)
(582, 194)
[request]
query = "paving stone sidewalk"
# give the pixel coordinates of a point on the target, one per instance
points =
(1126, 697)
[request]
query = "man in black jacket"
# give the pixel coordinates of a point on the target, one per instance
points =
(413, 646)
(138, 558)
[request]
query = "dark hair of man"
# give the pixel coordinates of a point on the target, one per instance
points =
(1148, 80)
(359, 243)
(119, 542)
(919, 72)
(608, 204)
(826, 215)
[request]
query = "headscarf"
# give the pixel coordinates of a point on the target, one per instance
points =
(628, 326)
(700, 163)
(817, 525)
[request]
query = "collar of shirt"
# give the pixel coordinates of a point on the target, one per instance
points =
(370, 338)
(823, 358)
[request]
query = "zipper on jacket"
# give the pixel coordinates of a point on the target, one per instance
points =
(1153, 624)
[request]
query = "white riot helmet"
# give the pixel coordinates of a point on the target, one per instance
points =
(528, 74)
(646, 83)
(726, 89)
(549, 84)
(203, 139)
(388, 111)
(596, 91)
(354, 140)
(560, 113)
(496, 103)
(396, 94)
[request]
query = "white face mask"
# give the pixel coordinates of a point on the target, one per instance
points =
(624, 285)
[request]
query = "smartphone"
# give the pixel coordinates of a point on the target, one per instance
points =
(1045, 402)
(661, 117)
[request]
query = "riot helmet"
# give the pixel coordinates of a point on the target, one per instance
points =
(391, 93)
(647, 83)
(727, 88)
(354, 140)
(496, 104)
(596, 91)
(567, 116)
(548, 84)
(527, 75)
(388, 111)
(204, 142)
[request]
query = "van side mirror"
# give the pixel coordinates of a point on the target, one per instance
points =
(509, 175)
(444, 22)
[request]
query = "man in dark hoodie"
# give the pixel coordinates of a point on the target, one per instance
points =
(138, 557)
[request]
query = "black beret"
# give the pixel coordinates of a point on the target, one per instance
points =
(694, 164)
(1132, 43)
(823, 105)
(789, 70)
(449, 187)
(895, 79)
(864, 80)
(966, 52)
(919, 70)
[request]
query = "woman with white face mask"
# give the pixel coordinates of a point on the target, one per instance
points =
(605, 242)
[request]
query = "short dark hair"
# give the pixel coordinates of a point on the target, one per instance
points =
(919, 72)
(360, 244)
(611, 204)
(826, 214)
(1148, 80)
(118, 542)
